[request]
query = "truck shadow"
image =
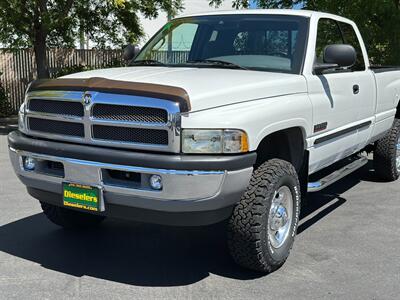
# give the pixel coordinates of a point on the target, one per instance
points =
(143, 254)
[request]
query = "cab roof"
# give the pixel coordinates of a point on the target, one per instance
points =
(287, 12)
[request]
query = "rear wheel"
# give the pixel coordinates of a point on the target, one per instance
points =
(387, 154)
(262, 228)
(68, 218)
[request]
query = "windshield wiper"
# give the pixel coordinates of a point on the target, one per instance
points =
(146, 62)
(216, 62)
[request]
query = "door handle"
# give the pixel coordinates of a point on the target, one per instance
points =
(356, 89)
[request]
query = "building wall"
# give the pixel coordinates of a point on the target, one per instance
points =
(190, 6)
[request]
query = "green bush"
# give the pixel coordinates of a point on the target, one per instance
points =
(5, 107)
(71, 70)
(82, 68)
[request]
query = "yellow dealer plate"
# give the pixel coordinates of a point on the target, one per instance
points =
(82, 196)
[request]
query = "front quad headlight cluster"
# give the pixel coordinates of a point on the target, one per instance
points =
(210, 141)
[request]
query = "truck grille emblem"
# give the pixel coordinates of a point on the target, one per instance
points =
(87, 98)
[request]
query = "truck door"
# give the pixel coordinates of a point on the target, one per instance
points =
(366, 98)
(342, 101)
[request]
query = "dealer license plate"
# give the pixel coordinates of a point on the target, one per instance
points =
(82, 197)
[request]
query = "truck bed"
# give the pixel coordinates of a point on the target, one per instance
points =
(388, 94)
(384, 69)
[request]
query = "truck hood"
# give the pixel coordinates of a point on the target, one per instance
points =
(208, 87)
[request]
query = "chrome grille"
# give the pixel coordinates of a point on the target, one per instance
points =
(56, 127)
(130, 135)
(130, 113)
(114, 120)
(65, 108)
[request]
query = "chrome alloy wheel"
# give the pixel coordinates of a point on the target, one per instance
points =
(280, 216)
(398, 154)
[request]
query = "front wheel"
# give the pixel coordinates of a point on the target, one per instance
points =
(262, 228)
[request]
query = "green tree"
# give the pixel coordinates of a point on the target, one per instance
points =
(60, 23)
(5, 108)
(378, 21)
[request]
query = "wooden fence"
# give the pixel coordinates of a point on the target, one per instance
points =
(173, 57)
(18, 67)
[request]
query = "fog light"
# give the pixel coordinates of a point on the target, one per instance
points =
(29, 163)
(156, 182)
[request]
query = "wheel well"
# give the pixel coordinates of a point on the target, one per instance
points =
(398, 111)
(286, 144)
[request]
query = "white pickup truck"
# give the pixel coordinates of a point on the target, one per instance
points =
(221, 116)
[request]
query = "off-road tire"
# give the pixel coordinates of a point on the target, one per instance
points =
(68, 218)
(248, 238)
(385, 154)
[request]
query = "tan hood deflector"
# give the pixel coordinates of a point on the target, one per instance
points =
(170, 93)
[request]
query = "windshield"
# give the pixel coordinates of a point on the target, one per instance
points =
(256, 42)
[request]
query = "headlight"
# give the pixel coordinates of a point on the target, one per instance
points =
(21, 118)
(214, 141)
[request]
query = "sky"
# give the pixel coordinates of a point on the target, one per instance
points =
(190, 6)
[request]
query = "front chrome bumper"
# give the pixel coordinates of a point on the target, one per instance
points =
(183, 190)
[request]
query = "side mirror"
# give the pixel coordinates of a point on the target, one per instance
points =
(337, 56)
(130, 52)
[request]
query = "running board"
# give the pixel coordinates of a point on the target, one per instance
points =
(337, 175)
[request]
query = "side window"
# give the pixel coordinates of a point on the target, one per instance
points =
(350, 38)
(328, 33)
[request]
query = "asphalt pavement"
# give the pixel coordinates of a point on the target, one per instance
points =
(347, 248)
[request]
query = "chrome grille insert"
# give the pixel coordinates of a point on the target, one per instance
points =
(65, 108)
(129, 113)
(114, 120)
